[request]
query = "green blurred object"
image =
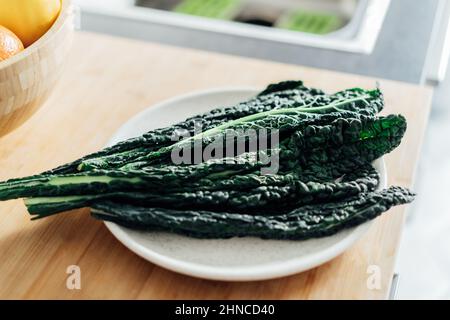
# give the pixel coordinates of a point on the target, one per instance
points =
(217, 9)
(311, 22)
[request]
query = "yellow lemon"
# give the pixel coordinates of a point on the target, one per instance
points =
(29, 19)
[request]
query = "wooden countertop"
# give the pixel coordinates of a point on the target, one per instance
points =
(107, 81)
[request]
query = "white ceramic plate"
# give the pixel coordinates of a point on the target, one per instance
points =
(236, 259)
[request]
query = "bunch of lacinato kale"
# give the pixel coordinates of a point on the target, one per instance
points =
(324, 180)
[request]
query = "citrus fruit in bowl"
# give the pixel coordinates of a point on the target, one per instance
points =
(28, 73)
(29, 19)
(10, 44)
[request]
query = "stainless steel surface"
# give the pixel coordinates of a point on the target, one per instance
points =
(359, 35)
(273, 11)
(440, 46)
(394, 287)
(399, 54)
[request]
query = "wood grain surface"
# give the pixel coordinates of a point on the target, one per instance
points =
(108, 80)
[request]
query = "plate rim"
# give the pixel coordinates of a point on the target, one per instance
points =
(264, 271)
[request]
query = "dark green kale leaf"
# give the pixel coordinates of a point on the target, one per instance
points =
(305, 222)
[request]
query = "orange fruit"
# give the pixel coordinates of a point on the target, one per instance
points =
(10, 44)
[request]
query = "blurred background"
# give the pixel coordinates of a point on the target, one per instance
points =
(402, 40)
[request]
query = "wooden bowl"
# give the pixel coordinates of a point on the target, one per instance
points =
(27, 78)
